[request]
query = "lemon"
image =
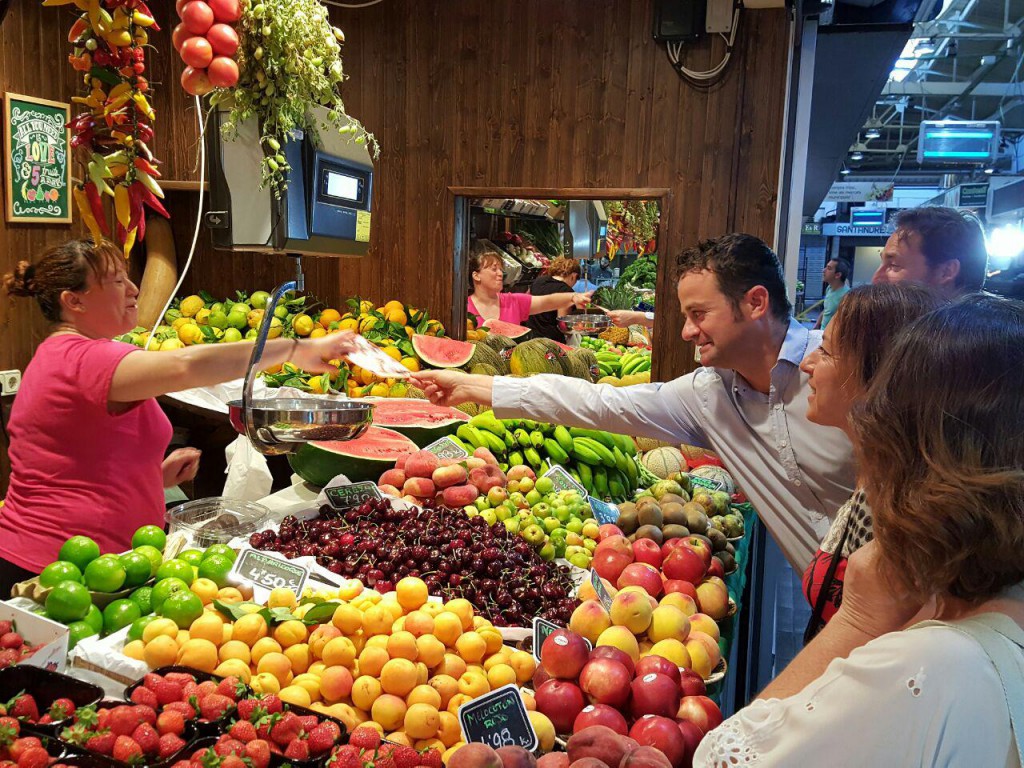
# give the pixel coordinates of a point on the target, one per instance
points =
(254, 318)
(169, 344)
(203, 316)
(303, 325)
(189, 334)
(191, 305)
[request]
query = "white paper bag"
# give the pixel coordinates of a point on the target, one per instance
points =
(248, 475)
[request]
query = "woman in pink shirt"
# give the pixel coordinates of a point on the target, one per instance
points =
(87, 438)
(487, 302)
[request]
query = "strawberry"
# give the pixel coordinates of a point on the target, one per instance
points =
(170, 721)
(5, 627)
(258, 752)
(169, 744)
(251, 710)
(229, 746)
(23, 707)
(150, 680)
(347, 757)
(101, 742)
(384, 761)
(431, 758)
(205, 688)
(287, 729)
(147, 738)
(123, 720)
(11, 640)
(232, 761)
(61, 709)
(127, 750)
(297, 749)
(145, 714)
(333, 727)
(185, 709)
(321, 739)
(272, 704)
(166, 692)
(9, 730)
(365, 738)
(181, 678)
(231, 687)
(214, 705)
(189, 689)
(34, 757)
(309, 722)
(145, 697)
(22, 745)
(244, 731)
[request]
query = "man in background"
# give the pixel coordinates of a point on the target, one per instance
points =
(836, 275)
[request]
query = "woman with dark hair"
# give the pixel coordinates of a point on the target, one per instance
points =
(559, 277)
(486, 301)
(841, 369)
(938, 438)
(87, 438)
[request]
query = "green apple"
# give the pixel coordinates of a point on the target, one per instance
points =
(532, 497)
(575, 525)
(489, 516)
(534, 534)
(526, 484)
(544, 484)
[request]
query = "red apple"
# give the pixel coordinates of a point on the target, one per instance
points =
(685, 564)
(641, 575)
(692, 735)
(663, 734)
(701, 711)
(540, 677)
(616, 543)
(605, 682)
(563, 654)
(655, 694)
(659, 664)
(669, 545)
(678, 585)
(701, 546)
(608, 529)
(647, 551)
(716, 568)
(562, 702)
(615, 654)
(610, 564)
(601, 714)
(691, 683)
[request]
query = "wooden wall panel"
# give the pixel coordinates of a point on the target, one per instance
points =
(467, 93)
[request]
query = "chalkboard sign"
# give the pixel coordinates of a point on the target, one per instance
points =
(37, 166)
(563, 481)
(603, 511)
(704, 482)
(542, 628)
(353, 494)
(265, 570)
(498, 719)
(602, 593)
(446, 448)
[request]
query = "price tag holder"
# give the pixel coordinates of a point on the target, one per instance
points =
(267, 572)
(602, 593)
(446, 448)
(563, 481)
(542, 628)
(603, 511)
(342, 497)
(498, 719)
(704, 482)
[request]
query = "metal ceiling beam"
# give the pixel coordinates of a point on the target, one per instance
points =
(936, 88)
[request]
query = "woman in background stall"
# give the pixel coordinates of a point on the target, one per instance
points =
(560, 276)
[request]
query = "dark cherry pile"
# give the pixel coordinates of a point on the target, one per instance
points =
(455, 555)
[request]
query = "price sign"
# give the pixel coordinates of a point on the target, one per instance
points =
(602, 593)
(563, 481)
(37, 160)
(446, 448)
(352, 495)
(262, 569)
(705, 482)
(541, 629)
(498, 719)
(603, 511)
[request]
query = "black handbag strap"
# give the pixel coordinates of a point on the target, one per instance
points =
(816, 622)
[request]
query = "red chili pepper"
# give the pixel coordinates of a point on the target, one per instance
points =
(144, 165)
(153, 202)
(138, 213)
(96, 204)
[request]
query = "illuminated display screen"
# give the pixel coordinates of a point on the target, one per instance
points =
(954, 141)
(341, 186)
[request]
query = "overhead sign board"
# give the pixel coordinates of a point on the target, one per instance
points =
(859, 192)
(853, 230)
(973, 195)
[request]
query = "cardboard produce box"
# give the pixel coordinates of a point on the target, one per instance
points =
(38, 630)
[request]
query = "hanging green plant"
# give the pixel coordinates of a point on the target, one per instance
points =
(289, 62)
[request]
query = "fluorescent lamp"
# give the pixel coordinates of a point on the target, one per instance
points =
(857, 155)
(872, 133)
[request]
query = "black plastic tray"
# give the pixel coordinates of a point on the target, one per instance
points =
(203, 727)
(46, 687)
(277, 760)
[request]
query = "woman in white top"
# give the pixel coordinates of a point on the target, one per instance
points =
(942, 457)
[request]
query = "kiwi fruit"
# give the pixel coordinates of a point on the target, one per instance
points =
(675, 498)
(646, 503)
(627, 506)
(675, 532)
(673, 514)
(728, 561)
(696, 518)
(718, 540)
(649, 532)
(628, 520)
(650, 514)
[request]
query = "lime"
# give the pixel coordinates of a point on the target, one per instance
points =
(94, 618)
(215, 568)
(232, 335)
(118, 614)
(217, 320)
(58, 571)
(105, 574)
(78, 631)
(176, 568)
(191, 556)
(143, 597)
(238, 318)
(80, 550)
(164, 589)
(153, 535)
(220, 549)
(259, 299)
(154, 555)
(137, 568)
(69, 601)
(140, 624)
(183, 607)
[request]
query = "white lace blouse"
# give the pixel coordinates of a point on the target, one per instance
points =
(927, 696)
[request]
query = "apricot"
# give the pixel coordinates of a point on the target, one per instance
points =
(389, 711)
(589, 620)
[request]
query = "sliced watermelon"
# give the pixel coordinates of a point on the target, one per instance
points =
(440, 352)
(566, 347)
(364, 458)
(502, 328)
(419, 420)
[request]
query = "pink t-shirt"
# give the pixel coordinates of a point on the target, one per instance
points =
(514, 308)
(75, 467)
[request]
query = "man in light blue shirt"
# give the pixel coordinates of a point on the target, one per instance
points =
(836, 274)
(748, 404)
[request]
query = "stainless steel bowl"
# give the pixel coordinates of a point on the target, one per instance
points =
(299, 420)
(588, 325)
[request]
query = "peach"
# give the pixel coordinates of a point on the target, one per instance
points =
(713, 599)
(632, 611)
(473, 462)
(487, 477)
(643, 757)
(421, 464)
(520, 471)
(673, 650)
(683, 602)
(590, 619)
(516, 757)
(475, 756)
(419, 486)
(704, 653)
(588, 762)
(587, 591)
(486, 455)
(460, 495)
(553, 760)
(390, 490)
(623, 639)
(395, 477)
(668, 623)
(445, 477)
(704, 623)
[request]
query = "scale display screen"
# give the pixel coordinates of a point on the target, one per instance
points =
(341, 188)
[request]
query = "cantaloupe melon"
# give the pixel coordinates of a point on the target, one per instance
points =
(664, 462)
(716, 473)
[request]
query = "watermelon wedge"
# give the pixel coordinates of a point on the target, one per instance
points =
(419, 420)
(364, 458)
(511, 330)
(566, 347)
(440, 352)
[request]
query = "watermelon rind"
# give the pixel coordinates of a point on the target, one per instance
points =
(440, 352)
(365, 458)
(511, 330)
(419, 420)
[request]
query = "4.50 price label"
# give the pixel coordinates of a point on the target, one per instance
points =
(264, 570)
(498, 719)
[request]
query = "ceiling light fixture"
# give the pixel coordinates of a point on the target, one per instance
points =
(926, 47)
(872, 133)
(857, 155)
(844, 172)
(989, 170)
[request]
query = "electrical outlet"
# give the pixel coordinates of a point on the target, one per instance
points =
(10, 381)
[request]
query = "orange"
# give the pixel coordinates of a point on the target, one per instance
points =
(389, 711)
(393, 352)
(399, 677)
(411, 592)
(422, 721)
(329, 316)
